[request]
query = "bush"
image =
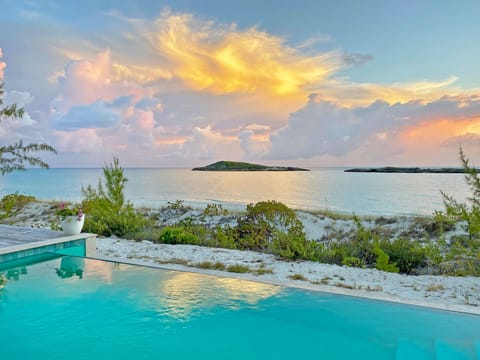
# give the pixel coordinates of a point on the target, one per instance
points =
(264, 222)
(408, 255)
(468, 212)
(214, 210)
(176, 235)
(382, 260)
(352, 261)
(11, 203)
(107, 211)
(294, 247)
(224, 238)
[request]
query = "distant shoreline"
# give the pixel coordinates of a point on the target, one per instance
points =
(408, 170)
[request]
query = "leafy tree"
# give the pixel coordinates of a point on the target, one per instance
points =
(107, 211)
(469, 211)
(16, 156)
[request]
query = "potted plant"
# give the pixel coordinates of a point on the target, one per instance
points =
(71, 219)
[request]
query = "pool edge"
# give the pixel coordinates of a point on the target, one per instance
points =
(465, 309)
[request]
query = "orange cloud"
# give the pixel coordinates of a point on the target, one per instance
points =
(223, 59)
(437, 131)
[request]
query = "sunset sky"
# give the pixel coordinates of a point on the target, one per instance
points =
(185, 83)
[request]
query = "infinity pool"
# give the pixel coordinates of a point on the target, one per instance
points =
(75, 308)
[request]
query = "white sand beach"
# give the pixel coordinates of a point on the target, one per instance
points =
(443, 292)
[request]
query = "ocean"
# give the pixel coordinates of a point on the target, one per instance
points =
(319, 189)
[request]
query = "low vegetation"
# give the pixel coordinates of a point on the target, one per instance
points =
(272, 227)
(11, 204)
(108, 211)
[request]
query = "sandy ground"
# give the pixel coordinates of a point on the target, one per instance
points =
(455, 293)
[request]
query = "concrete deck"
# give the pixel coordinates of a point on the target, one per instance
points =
(16, 238)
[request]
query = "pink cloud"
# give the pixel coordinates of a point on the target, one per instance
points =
(2, 65)
(322, 128)
(86, 81)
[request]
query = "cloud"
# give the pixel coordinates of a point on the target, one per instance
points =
(324, 128)
(207, 144)
(222, 59)
(96, 115)
(86, 81)
(468, 140)
(2, 65)
(356, 59)
(182, 87)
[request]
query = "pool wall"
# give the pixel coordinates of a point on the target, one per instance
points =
(20, 243)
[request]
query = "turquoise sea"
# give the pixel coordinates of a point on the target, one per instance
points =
(321, 188)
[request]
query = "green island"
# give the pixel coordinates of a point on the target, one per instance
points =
(243, 166)
(408, 170)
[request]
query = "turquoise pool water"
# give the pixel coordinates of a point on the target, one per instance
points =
(75, 308)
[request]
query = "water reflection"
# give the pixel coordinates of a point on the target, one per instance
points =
(12, 274)
(181, 296)
(186, 294)
(70, 267)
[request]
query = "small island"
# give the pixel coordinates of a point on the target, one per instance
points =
(243, 166)
(408, 170)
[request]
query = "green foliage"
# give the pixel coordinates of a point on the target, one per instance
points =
(382, 260)
(237, 268)
(214, 210)
(107, 211)
(292, 246)
(65, 210)
(11, 203)
(359, 246)
(209, 265)
(176, 205)
(299, 277)
(17, 156)
(408, 255)
(264, 223)
(352, 261)
(468, 212)
(224, 237)
(362, 249)
(177, 235)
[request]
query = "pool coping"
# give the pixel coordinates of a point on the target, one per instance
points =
(18, 239)
(42, 243)
(465, 309)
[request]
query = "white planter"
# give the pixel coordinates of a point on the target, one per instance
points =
(72, 225)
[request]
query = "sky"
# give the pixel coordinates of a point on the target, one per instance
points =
(188, 82)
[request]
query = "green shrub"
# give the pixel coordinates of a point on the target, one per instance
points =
(106, 209)
(238, 269)
(224, 238)
(352, 261)
(299, 277)
(469, 211)
(209, 265)
(291, 246)
(408, 255)
(382, 260)
(358, 245)
(264, 223)
(176, 235)
(11, 203)
(214, 210)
